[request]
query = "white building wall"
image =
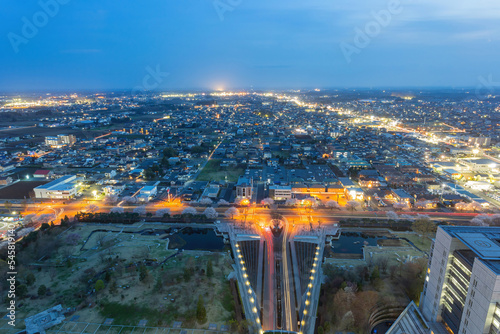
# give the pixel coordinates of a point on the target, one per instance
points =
(444, 245)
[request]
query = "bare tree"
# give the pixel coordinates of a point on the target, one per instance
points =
(92, 208)
(382, 263)
(8, 205)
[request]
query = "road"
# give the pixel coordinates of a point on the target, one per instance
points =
(257, 213)
(269, 306)
(289, 323)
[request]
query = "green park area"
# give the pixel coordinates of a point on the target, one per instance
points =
(386, 277)
(121, 275)
(213, 171)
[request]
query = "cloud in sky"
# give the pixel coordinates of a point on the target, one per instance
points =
(282, 44)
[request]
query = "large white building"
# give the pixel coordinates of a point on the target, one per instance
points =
(462, 289)
(62, 188)
(60, 140)
(279, 193)
(481, 165)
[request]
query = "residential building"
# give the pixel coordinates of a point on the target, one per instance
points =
(60, 140)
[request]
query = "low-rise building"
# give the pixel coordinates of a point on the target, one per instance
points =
(279, 193)
(244, 188)
(62, 188)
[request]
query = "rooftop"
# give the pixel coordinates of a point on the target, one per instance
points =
(483, 241)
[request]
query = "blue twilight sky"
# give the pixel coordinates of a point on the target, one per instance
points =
(113, 44)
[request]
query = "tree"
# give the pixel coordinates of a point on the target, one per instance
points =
(392, 215)
(475, 206)
(159, 284)
(375, 274)
(30, 279)
(99, 285)
(292, 202)
(210, 213)
(28, 219)
(424, 226)
(92, 208)
(352, 205)
(110, 199)
(113, 288)
(45, 218)
(189, 211)
(201, 312)
(117, 209)
(24, 205)
(140, 210)
(210, 269)
(143, 273)
(231, 212)
(73, 239)
(206, 201)
(482, 220)
(162, 212)
(382, 262)
(327, 326)
(65, 221)
(21, 290)
(222, 202)
(8, 205)
(332, 205)
(187, 273)
(169, 152)
(267, 201)
(130, 200)
(42, 290)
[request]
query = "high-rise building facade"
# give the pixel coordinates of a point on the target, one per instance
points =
(462, 288)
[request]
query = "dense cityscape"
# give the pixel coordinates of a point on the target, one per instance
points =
(308, 211)
(249, 167)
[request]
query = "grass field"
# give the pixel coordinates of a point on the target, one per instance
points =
(20, 190)
(165, 293)
(214, 172)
